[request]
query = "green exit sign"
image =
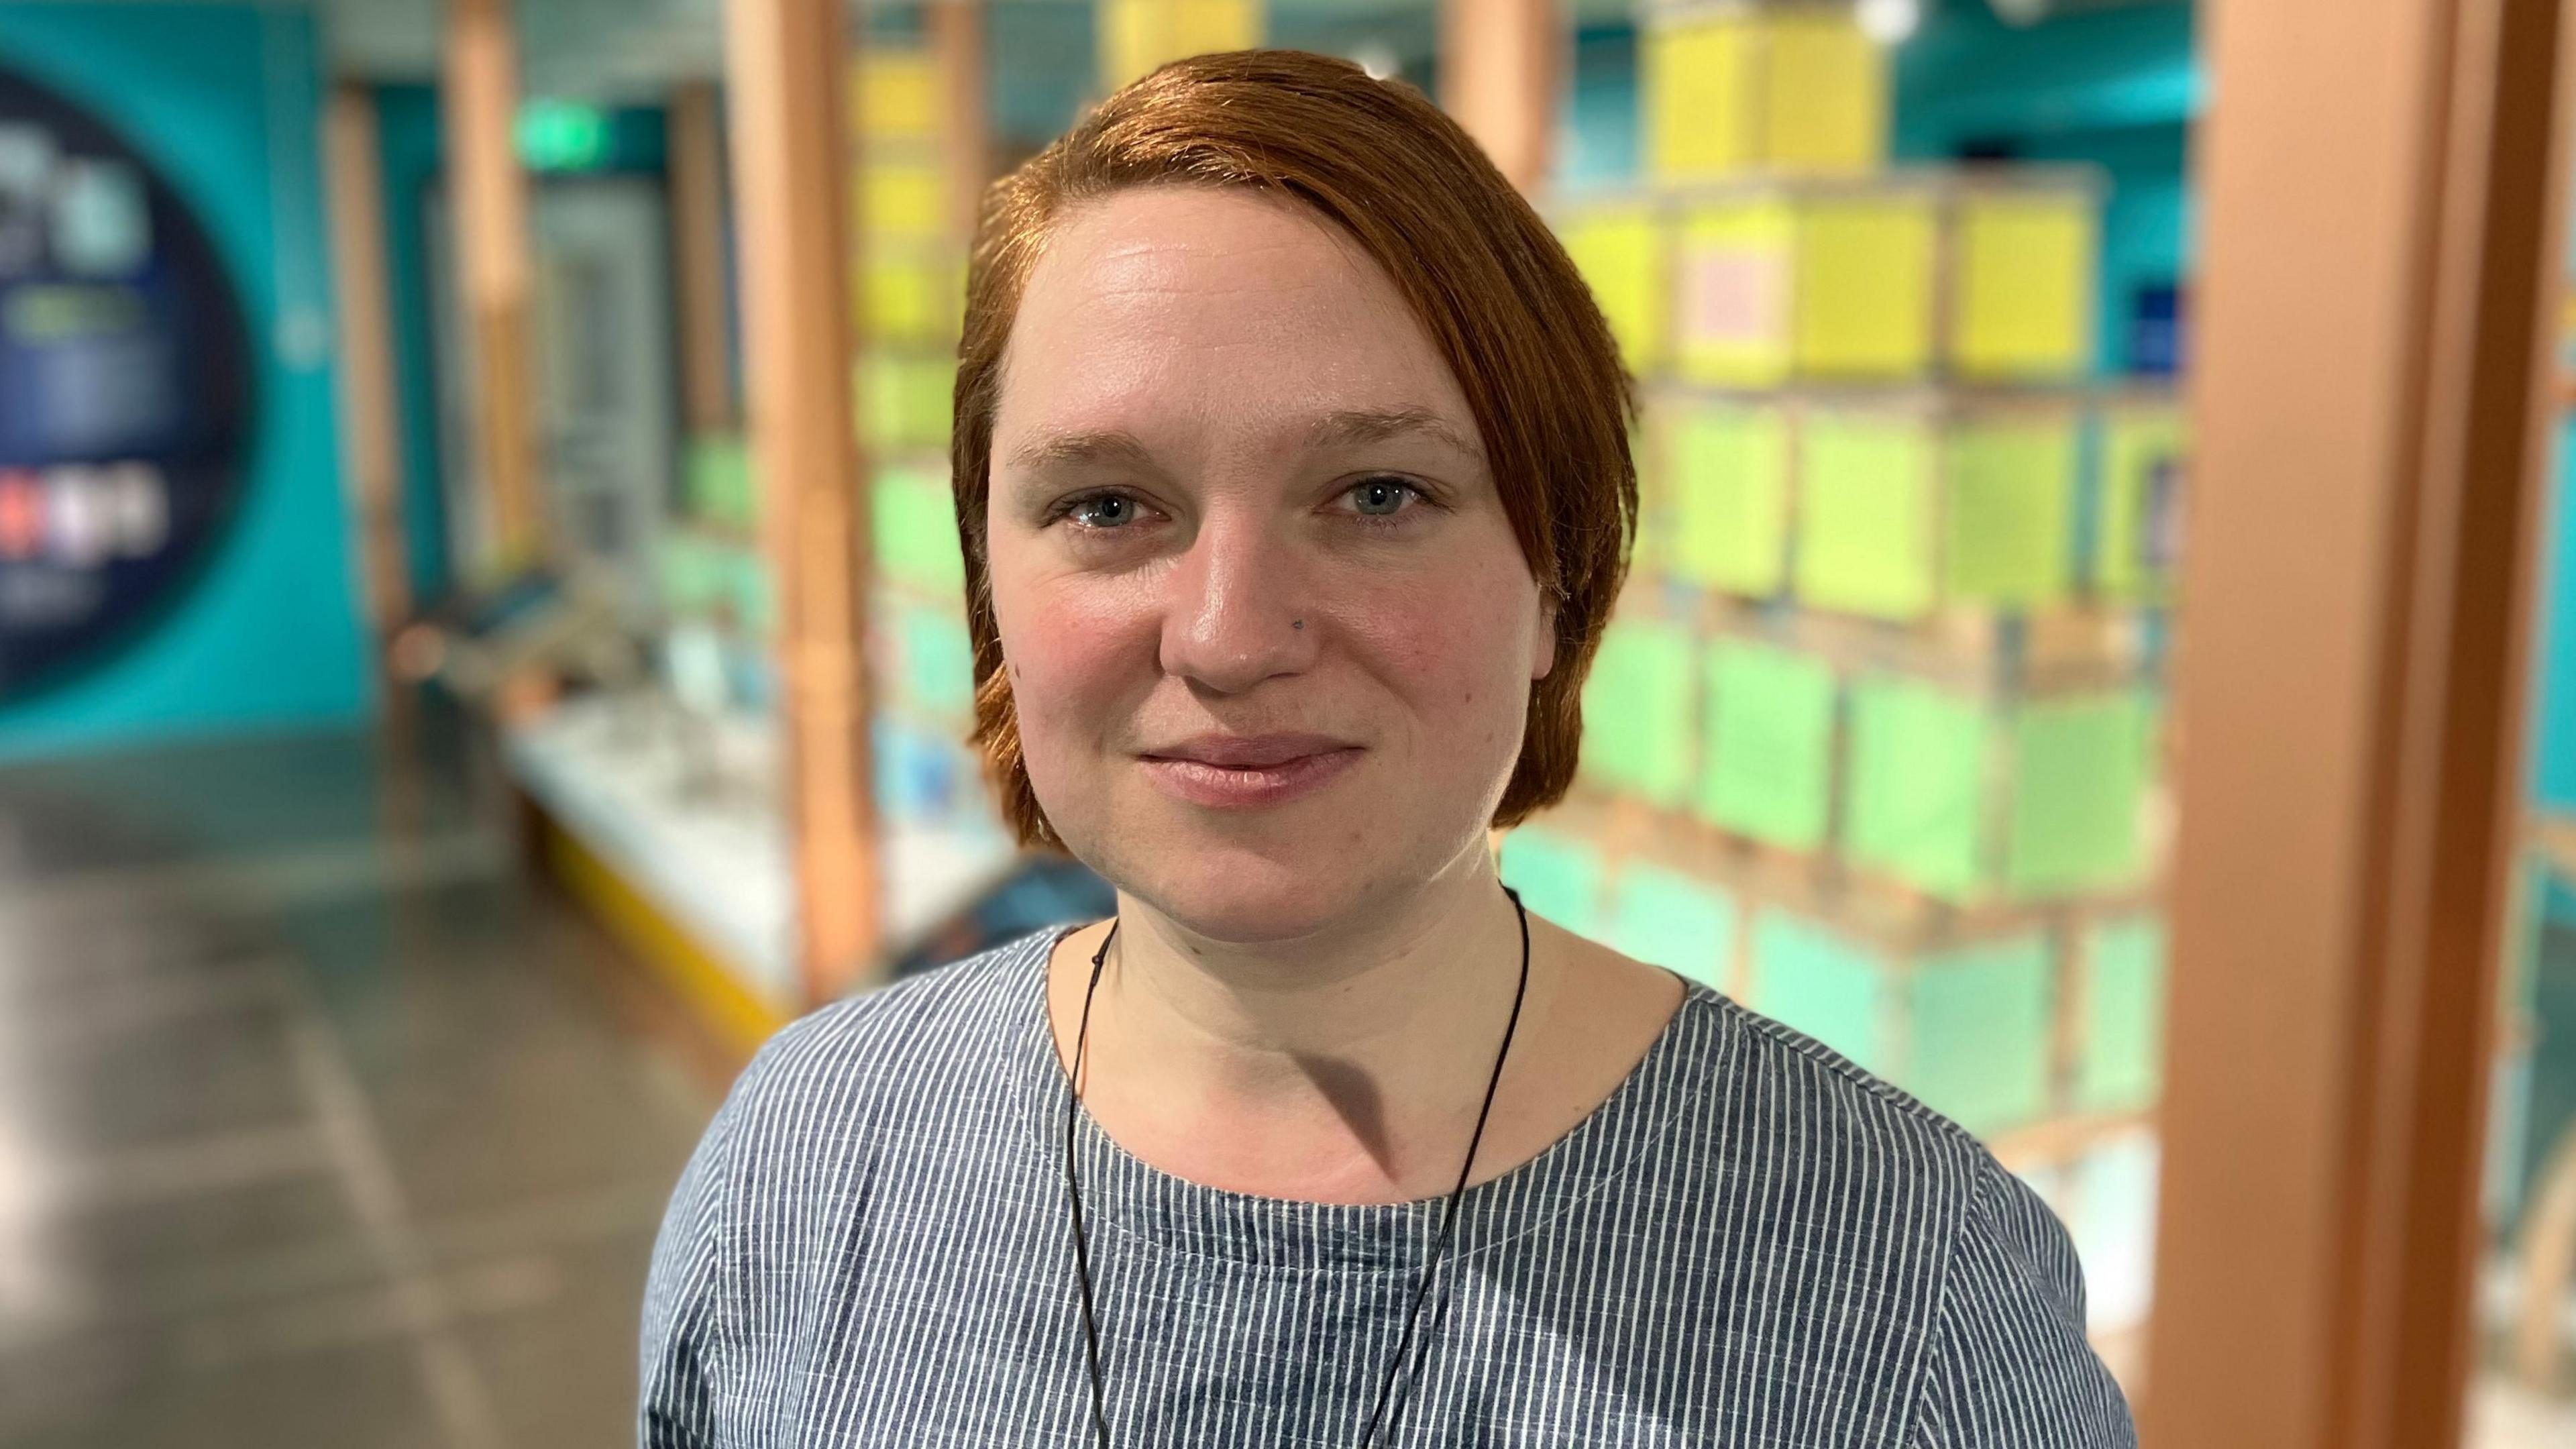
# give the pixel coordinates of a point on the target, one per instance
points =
(563, 136)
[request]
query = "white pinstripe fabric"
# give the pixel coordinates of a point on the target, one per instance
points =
(1752, 1243)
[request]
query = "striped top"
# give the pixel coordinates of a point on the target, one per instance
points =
(1751, 1242)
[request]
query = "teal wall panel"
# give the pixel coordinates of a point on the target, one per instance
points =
(225, 101)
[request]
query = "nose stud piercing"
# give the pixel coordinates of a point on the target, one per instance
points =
(1296, 623)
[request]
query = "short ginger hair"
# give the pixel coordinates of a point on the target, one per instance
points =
(1502, 302)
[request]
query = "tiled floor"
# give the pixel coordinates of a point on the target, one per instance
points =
(317, 1126)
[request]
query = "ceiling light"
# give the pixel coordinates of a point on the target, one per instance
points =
(1891, 22)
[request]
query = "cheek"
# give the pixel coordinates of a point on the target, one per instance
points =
(1455, 642)
(1076, 651)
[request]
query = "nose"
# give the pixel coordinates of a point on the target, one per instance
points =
(1235, 613)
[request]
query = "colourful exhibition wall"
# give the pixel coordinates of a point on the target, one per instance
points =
(2553, 752)
(224, 101)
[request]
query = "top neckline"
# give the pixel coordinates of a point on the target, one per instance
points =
(1124, 1192)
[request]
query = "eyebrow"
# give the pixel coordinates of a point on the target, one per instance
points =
(1352, 427)
(1109, 445)
(1348, 427)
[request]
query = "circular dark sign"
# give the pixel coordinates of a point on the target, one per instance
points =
(125, 391)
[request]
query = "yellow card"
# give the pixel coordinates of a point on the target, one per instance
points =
(1734, 273)
(1868, 485)
(1138, 35)
(2009, 533)
(1728, 471)
(1700, 76)
(1624, 259)
(1865, 294)
(910, 298)
(2025, 285)
(1824, 96)
(895, 94)
(902, 198)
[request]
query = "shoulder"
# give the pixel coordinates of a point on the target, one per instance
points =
(845, 1069)
(1779, 1087)
(1987, 1276)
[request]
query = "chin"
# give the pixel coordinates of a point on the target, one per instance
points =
(1246, 893)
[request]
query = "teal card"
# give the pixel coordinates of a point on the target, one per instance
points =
(1668, 919)
(2120, 1063)
(1557, 875)
(938, 662)
(1983, 1032)
(1813, 979)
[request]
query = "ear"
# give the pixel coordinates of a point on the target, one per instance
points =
(1543, 655)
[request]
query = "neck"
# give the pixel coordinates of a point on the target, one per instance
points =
(1344, 1065)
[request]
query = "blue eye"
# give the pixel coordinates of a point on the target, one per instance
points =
(1381, 497)
(1102, 510)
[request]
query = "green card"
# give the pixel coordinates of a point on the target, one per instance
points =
(686, 566)
(2009, 531)
(1558, 876)
(715, 480)
(1867, 490)
(916, 530)
(1982, 1032)
(1729, 481)
(1813, 979)
(2079, 779)
(1668, 919)
(1915, 786)
(2120, 1067)
(1637, 711)
(1770, 744)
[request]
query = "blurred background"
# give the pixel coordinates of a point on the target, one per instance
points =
(427, 431)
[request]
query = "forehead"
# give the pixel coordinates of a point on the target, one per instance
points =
(1221, 306)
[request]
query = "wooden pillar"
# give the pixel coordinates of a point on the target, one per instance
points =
(698, 261)
(791, 167)
(1499, 64)
(2381, 185)
(370, 415)
(957, 41)
(481, 101)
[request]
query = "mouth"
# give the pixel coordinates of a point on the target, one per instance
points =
(1244, 772)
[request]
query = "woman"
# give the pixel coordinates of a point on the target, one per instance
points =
(1292, 472)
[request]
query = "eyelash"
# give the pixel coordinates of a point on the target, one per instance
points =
(1070, 506)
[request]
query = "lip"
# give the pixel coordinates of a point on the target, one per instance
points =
(1243, 771)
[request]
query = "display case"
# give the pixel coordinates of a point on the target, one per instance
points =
(1875, 742)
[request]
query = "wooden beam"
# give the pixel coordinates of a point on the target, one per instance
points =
(2382, 188)
(1499, 74)
(480, 97)
(370, 415)
(957, 42)
(791, 167)
(698, 262)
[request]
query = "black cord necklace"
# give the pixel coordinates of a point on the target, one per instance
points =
(1439, 1246)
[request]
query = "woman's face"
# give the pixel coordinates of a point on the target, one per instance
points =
(1270, 635)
